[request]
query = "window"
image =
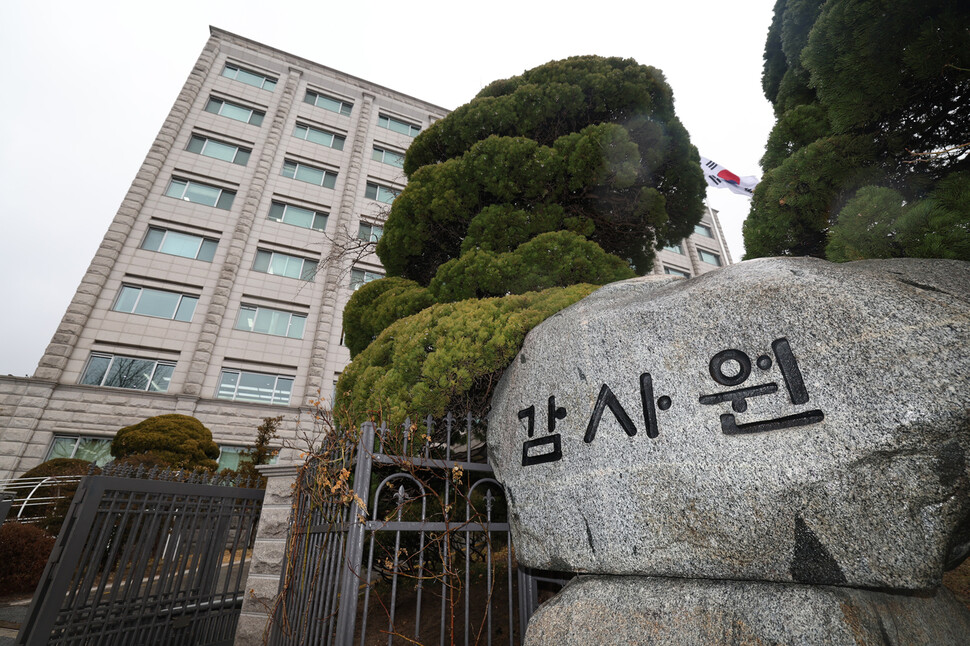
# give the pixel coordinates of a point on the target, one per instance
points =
(230, 457)
(249, 78)
(703, 230)
(218, 150)
(92, 449)
(388, 157)
(676, 248)
(190, 191)
(380, 193)
(710, 258)
(241, 386)
(311, 174)
(281, 264)
(297, 216)
(397, 125)
(676, 272)
(370, 232)
(155, 302)
(269, 321)
(180, 244)
(328, 103)
(317, 136)
(233, 111)
(360, 277)
(116, 371)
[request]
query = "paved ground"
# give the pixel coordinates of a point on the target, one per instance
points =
(12, 613)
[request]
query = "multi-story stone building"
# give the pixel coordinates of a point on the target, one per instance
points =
(218, 289)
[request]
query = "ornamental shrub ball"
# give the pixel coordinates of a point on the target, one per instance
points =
(180, 440)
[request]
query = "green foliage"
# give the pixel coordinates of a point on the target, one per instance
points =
(570, 174)
(446, 357)
(879, 223)
(60, 467)
(588, 134)
(553, 259)
(892, 75)
(181, 441)
(939, 227)
(792, 204)
(376, 305)
(503, 227)
(892, 67)
(24, 550)
(794, 130)
(260, 452)
(866, 227)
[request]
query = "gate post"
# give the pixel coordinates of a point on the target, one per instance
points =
(267, 565)
(350, 579)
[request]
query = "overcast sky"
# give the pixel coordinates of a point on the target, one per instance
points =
(87, 84)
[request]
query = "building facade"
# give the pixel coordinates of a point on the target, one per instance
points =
(219, 287)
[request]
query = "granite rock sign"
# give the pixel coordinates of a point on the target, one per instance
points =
(789, 427)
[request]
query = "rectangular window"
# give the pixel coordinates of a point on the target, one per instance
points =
(328, 103)
(239, 385)
(370, 232)
(92, 449)
(233, 111)
(397, 125)
(218, 150)
(116, 371)
(317, 136)
(380, 193)
(155, 302)
(676, 272)
(281, 264)
(269, 321)
(297, 216)
(191, 191)
(359, 277)
(180, 244)
(310, 174)
(230, 457)
(703, 230)
(709, 258)
(676, 248)
(248, 77)
(388, 157)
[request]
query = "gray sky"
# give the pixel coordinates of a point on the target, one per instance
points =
(100, 77)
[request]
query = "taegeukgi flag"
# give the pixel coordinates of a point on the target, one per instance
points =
(720, 177)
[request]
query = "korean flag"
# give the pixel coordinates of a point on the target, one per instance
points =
(720, 177)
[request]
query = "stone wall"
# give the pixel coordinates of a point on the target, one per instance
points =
(33, 411)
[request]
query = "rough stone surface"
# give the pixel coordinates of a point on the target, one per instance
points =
(861, 480)
(682, 612)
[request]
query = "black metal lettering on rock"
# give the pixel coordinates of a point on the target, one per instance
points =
(722, 357)
(738, 397)
(649, 412)
(790, 371)
(554, 440)
(730, 427)
(607, 399)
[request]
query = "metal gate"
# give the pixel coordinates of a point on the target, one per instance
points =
(140, 561)
(420, 553)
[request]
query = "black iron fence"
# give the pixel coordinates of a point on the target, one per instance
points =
(418, 551)
(158, 561)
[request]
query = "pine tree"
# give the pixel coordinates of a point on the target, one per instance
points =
(867, 93)
(518, 203)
